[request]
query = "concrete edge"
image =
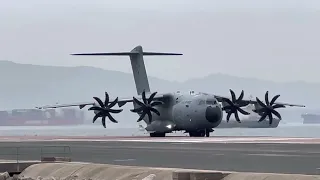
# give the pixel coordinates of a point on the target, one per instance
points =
(188, 170)
(84, 170)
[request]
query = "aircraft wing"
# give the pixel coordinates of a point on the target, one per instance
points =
(221, 98)
(121, 102)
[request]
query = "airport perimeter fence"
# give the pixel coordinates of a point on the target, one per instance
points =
(35, 153)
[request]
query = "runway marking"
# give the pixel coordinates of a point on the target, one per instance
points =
(176, 140)
(218, 154)
(275, 155)
(149, 177)
(123, 160)
(178, 143)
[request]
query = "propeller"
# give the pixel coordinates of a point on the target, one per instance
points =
(234, 105)
(104, 109)
(146, 107)
(268, 108)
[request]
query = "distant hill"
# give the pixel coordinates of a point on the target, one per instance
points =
(26, 85)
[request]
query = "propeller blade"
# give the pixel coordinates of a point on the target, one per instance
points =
(106, 101)
(243, 103)
(142, 116)
(242, 111)
(146, 106)
(151, 97)
(111, 118)
(229, 102)
(260, 103)
(99, 101)
(155, 111)
(237, 117)
(95, 108)
(234, 105)
(138, 102)
(115, 110)
(149, 116)
(274, 99)
(96, 116)
(103, 121)
(270, 118)
(266, 98)
(228, 117)
(278, 106)
(263, 117)
(241, 96)
(113, 103)
(233, 96)
(268, 108)
(105, 109)
(144, 97)
(276, 114)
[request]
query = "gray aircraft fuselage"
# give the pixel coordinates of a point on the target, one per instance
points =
(189, 112)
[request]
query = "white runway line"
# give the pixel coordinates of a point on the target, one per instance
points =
(123, 160)
(261, 140)
(275, 155)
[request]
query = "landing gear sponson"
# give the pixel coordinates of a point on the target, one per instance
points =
(157, 134)
(200, 133)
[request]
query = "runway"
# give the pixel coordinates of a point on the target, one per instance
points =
(246, 154)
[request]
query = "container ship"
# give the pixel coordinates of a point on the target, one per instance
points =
(36, 117)
(310, 118)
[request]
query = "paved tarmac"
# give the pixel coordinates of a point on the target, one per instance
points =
(248, 157)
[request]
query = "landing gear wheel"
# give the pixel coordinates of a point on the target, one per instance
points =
(207, 133)
(197, 134)
(157, 134)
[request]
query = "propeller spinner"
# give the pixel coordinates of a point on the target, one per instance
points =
(146, 107)
(104, 109)
(268, 108)
(235, 105)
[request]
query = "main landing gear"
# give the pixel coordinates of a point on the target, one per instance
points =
(200, 133)
(157, 134)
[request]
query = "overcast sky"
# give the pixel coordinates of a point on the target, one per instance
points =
(277, 40)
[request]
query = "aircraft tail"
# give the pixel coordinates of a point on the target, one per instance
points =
(137, 64)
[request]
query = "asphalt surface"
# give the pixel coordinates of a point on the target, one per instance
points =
(268, 158)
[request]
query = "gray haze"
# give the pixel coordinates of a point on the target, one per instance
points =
(28, 86)
(251, 45)
(275, 40)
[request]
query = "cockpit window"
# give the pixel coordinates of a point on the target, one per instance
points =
(211, 102)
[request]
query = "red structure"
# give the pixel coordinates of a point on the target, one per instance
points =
(36, 117)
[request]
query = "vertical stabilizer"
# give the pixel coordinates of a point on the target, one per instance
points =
(137, 64)
(139, 70)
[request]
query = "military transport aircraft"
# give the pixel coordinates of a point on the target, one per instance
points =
(196, 113)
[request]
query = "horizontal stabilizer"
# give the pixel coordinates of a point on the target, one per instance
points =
(127, 54)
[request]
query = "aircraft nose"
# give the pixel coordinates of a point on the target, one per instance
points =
(213, 114)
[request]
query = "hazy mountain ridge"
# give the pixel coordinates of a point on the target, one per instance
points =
(27, 86)
(57, 83)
